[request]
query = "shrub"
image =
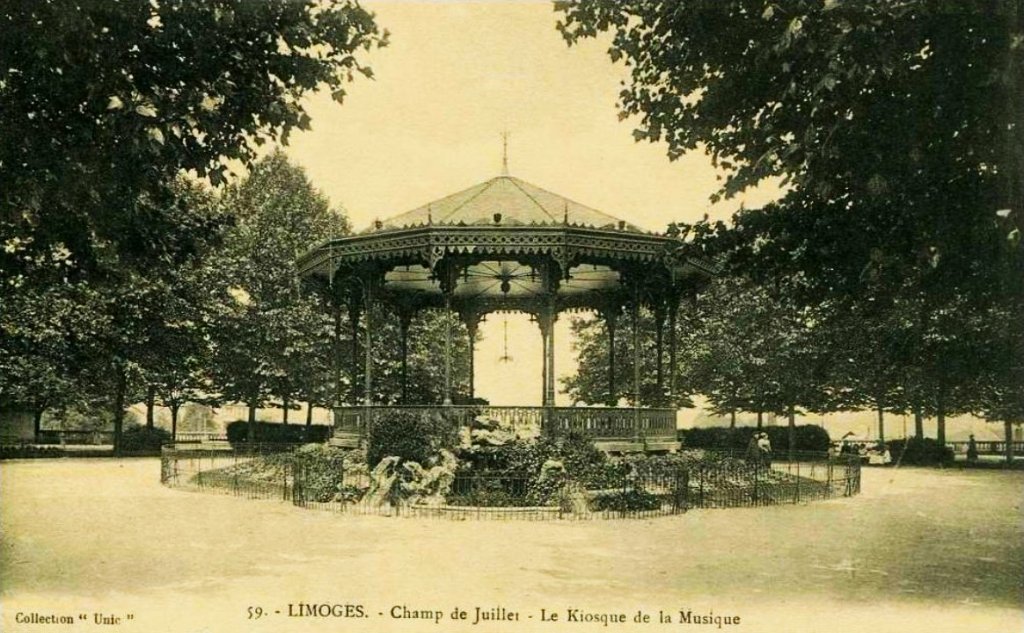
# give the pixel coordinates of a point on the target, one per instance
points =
(809, 437)
(28, 451)
(920, 452)
(581, 458)
(549, 485)
(322, 471)
(411, 436)
(632, 500)
(575, 451)
(517, 456)
(274, 433)
(490, 492)
(143, 439)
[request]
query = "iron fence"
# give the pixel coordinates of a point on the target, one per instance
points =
(736, 481)
(503, 496)
(258, 472)
(626, 489)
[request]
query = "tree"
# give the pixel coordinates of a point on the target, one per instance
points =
(425, 383)
(41, 335)
(845, 100)
(112, 100)
(179, 355)
(591, 382)
(756, 350)
(268, 330)
(891, 124)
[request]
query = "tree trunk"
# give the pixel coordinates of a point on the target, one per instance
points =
(881, 423)
(918, 422)
(1008, 433)
(37, 423)
(940, 417)
(309, 414)
(150, 406)
(174, 421)
(284, 408)
(732, 419)
(250, 434)
(792, 432)
(760, 418)
(120, 394)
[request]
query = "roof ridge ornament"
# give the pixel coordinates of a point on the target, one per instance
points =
(504, 153)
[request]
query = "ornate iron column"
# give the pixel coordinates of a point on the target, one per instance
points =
(545, 333)
(472, 322)
(336, 353)
(447, 348)
(369, 286)
(354, 312)
(659, 339)
(447, 273)
(549, 392)
(404, 321)
(547, 314)
(673, 313)
(635, 310)
(611, 317)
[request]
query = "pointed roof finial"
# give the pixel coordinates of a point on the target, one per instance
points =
(504, 153)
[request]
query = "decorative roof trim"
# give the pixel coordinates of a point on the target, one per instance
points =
(430, 244)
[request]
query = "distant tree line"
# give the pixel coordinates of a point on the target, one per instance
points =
(115, 255)
(890, 275)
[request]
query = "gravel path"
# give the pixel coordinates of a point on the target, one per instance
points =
(919, 550)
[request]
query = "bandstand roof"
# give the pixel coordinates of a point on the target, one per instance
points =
(519, 203)
(508, 243)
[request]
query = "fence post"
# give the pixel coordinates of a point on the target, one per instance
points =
(296, 477)
(625, 491)
(757, 473)
(797, 500)
(829, 469)
(682, 489)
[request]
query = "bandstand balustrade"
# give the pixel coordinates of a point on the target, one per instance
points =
(601, 424)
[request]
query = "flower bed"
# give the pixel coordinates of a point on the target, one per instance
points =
(512, 478)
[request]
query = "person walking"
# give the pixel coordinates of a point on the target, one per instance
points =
(764, 447)
(972, 450)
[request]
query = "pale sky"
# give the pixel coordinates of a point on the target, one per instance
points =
(454, 77)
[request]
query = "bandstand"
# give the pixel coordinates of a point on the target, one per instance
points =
(505, 245)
